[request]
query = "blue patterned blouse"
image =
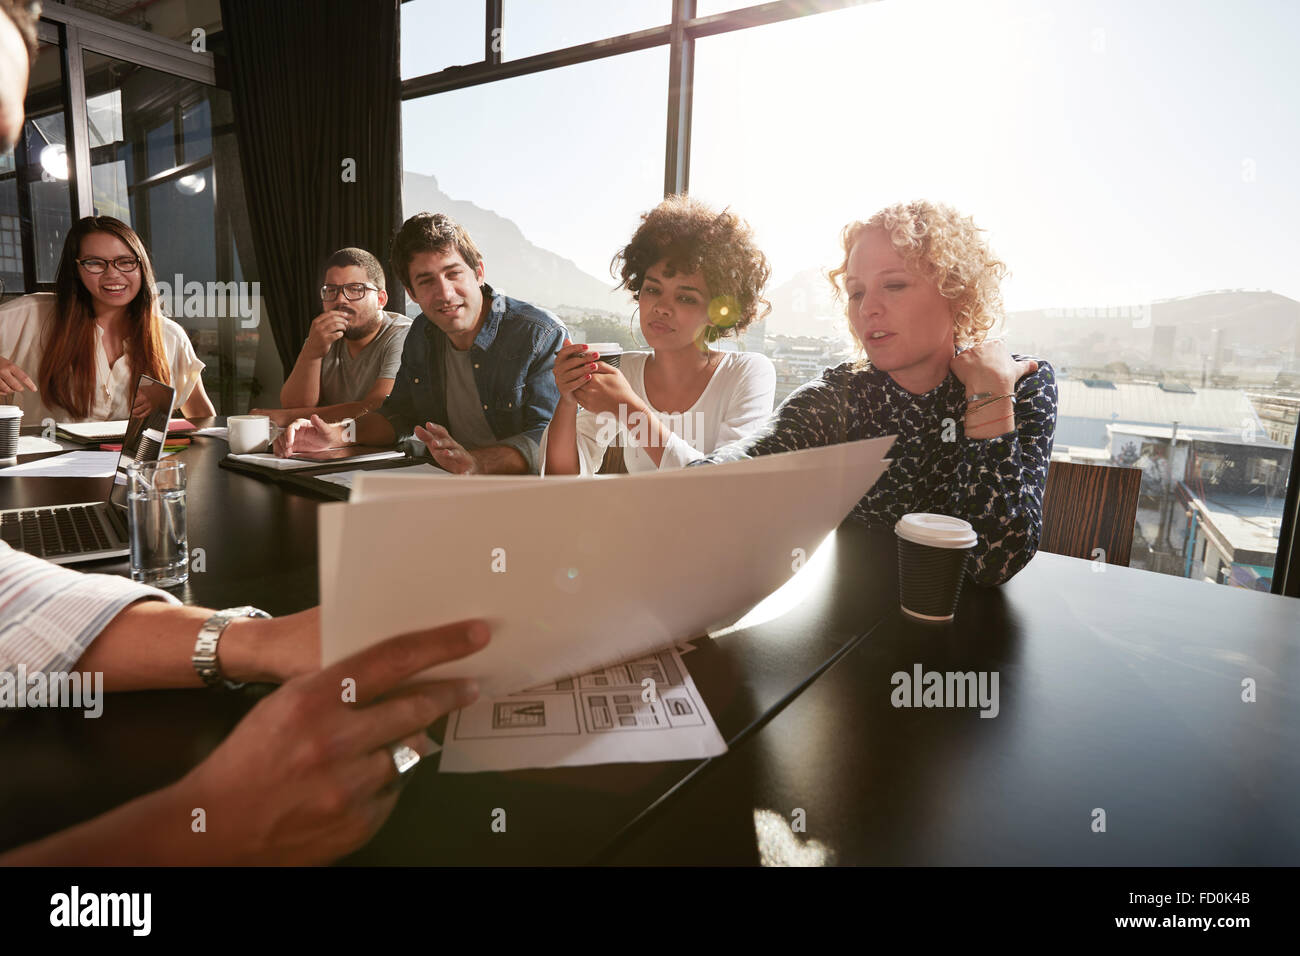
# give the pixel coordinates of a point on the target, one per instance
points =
(994, 483)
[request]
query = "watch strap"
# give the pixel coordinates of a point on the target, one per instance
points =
(205, 659)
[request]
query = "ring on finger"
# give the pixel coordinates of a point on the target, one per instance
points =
(405, 759)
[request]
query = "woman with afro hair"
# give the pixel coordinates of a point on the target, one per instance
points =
(696, 276)
(974, 423)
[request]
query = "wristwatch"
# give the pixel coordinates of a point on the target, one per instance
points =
(205, 648)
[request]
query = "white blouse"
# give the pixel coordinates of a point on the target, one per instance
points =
(737, 400)
(24, 324)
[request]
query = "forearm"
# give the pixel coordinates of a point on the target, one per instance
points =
(647, 432)
(374, 429)
(500, 460)
(149, 646)
(155, 829)
(302, 388)
(993, 418)
(561, 441)
(198, 405)
(1000, 481)
(814, 414)
(328, 413)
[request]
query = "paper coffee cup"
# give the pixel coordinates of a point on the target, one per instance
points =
(248, 434)
(932, 554)
(11, 420)
(611, 353)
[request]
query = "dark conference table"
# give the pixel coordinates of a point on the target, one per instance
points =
(1119, 690)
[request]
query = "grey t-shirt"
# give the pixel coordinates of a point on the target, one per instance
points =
(347, 379)
(469, 426)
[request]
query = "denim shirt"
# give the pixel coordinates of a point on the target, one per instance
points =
(513, 354)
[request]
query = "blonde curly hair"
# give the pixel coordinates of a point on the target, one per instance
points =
(939, 243)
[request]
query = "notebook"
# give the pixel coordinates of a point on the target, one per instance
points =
(94, 433)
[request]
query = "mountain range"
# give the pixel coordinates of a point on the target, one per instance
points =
(1223, 329)
(515, 265)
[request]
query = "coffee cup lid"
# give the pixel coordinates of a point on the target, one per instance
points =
(605, 348)
(937, 531)
(11, 411)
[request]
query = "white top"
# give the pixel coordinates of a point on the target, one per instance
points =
(737, 400)
(24, 323)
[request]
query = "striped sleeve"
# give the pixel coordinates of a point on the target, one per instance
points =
(49, 615)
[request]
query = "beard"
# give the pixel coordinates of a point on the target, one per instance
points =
(359, 325)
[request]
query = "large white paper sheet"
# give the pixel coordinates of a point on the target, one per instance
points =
(642, 710)
(575, 575)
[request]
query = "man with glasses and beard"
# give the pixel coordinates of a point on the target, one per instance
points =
(350, 359)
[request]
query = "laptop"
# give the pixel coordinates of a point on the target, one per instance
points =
(93, 530)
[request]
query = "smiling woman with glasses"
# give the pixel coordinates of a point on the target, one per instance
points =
(74, 355)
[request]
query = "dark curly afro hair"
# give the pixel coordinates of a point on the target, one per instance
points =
(689, 236)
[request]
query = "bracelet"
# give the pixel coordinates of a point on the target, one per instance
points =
(992, 421)
(204, 658)
(986, 398)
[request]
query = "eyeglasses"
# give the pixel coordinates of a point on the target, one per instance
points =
(352, 290)
(95, 265)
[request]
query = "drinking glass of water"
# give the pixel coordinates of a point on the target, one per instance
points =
(160, 553)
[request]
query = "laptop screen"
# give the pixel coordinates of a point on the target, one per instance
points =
(146, 432)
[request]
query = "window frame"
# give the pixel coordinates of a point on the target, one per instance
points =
(680, 33)
(77, 33)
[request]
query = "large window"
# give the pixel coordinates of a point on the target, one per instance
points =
(437, 34)
(521, 183)
(1144, 202)
(159, 147)
(174, 19)
(153, 166)
(35, 202)
(539, 26)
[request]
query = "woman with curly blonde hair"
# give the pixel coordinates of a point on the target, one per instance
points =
(974, 422)
(696, 276)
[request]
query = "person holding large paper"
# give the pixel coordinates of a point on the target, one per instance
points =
(307, 776)
(697, 276)
(475, 386)
(974, 422)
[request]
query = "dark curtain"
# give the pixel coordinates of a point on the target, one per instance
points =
(315, 83)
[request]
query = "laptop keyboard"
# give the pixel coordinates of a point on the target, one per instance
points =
(51, 532)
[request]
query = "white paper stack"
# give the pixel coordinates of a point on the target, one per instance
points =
(574, 574)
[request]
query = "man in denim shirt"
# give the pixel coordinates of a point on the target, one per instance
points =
(475, 387)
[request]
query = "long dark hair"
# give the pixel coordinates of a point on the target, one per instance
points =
(67, 373)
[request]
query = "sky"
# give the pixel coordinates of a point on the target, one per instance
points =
(1116, 151)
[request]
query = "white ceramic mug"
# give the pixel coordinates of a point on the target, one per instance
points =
(248, 434)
